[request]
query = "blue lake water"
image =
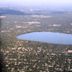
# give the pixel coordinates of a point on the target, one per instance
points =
(47, 37)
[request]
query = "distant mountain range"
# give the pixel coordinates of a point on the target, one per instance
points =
(11, 11)
(4, 11)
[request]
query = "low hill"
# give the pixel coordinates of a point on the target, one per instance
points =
(4, 11)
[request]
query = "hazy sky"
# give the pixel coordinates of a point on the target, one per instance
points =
(36, 2)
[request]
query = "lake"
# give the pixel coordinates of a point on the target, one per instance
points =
(47, 37)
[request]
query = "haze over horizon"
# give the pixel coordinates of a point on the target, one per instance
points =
(36, 3)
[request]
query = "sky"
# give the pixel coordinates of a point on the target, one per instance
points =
(36, 2)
